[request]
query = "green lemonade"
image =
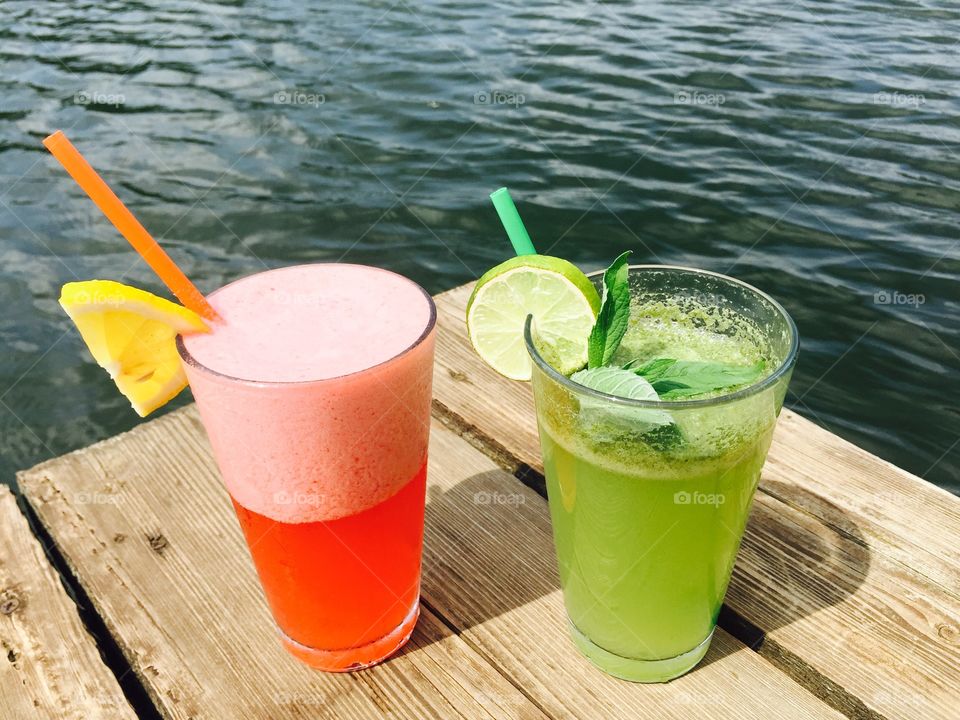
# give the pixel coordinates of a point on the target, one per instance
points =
(647, 523)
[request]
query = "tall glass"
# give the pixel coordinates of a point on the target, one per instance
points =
(647, 522)
(327, 476)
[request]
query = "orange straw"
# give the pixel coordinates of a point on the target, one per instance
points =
(124, 221)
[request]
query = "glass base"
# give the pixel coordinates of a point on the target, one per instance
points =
(355, 658)
(634, 670)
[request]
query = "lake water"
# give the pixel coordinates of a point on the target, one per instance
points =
(809, 148)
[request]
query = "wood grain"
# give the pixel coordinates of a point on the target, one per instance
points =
(50, 666)
(166, 567)
(850, 565)
(147, 529)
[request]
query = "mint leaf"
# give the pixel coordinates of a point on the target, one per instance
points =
(614, 314)
(651, 370)
(625, 384)
(616, 381)
(675, 379)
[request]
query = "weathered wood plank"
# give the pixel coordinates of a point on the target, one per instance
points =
(167, 569)
(49, 666)
(146, 527)
(850, 565)
(849, 489)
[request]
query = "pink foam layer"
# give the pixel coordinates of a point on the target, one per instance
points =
(310, 322)
(325, 449)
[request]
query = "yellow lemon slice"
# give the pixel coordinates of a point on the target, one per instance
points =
(132, 335)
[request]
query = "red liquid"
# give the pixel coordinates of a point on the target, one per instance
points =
(343, 583)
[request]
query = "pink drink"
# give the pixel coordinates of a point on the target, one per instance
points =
(315, 394)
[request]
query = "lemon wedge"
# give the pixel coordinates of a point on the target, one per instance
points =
(132, 333)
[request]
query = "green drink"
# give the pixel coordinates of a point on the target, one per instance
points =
(649, 498)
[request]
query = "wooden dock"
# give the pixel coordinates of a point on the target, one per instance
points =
(845, 600)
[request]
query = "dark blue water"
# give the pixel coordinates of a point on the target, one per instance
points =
(807, 148)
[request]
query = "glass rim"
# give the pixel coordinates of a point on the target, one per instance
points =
(189, 359)
(751, 389)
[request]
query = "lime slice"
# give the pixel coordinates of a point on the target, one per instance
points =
(561, 299)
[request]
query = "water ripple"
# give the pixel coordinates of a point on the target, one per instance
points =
(808, 148)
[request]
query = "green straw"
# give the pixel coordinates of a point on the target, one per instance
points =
(512, 223)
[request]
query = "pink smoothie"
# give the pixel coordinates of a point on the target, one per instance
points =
(315, 392)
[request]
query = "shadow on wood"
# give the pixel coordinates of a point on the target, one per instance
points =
(485, 533)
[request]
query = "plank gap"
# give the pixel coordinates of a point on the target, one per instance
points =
(742, 629)
(476, 437)
(830, 692)
(111, 654)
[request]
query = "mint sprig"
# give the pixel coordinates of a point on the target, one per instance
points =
(676, 379)
(614, 314)
(622, 383)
